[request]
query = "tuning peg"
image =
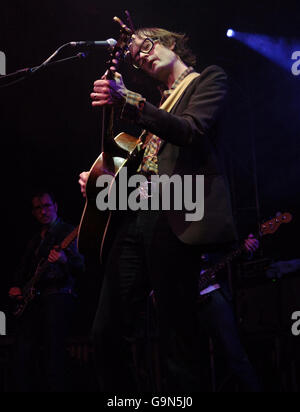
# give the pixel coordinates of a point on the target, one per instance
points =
(129, 21)
(123, 25)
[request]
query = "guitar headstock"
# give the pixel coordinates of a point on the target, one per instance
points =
(121, 48)
(272, 225)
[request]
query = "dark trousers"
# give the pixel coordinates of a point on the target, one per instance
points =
(217, 320)
(40, 350)
(147, 255)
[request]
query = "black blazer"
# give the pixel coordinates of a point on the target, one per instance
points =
(190, 135)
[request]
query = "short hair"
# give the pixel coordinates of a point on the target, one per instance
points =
(41, 193)
(168, 38)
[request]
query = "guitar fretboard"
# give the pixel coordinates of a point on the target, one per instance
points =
(69, 239)
(209, 276)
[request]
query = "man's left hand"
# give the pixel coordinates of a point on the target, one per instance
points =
(57, 256)
(109, 91)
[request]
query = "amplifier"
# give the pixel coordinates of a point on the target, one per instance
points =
(266, 305)
(252, 270)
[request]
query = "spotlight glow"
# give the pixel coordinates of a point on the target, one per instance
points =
(230, 33)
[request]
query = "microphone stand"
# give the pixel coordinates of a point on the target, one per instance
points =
(22, 74)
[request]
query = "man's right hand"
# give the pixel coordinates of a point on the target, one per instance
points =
(15, 293)
(83, 177)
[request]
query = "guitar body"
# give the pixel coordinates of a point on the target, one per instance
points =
(21, 307)
(95, 224)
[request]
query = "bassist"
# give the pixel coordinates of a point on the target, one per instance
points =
(47, 318)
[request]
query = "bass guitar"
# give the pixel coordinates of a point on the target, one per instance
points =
(209, 276)
(29, 290)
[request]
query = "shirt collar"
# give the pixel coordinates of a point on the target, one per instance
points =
(166, 93)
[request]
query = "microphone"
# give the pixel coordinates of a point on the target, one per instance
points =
(101, 43)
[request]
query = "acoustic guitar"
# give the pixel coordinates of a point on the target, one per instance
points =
(114, 153)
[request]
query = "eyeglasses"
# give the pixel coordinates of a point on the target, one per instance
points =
(45, 206)
(146, 47)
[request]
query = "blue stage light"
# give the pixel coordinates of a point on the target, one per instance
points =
(277, 49)
(230, 33)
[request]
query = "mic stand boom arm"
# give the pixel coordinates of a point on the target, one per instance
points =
(23, 74)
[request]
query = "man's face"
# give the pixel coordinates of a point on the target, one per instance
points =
(158, 62)
(44, 210)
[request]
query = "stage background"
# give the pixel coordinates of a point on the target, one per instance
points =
(50, 132)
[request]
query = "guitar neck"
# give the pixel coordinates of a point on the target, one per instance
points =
(229, 258)
(117, 54)
(107, 128)
(269, 227)
(69, 239)
(43, 262)
(209, 276)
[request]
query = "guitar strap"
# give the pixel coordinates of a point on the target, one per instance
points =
(48, 240)
(170, 102)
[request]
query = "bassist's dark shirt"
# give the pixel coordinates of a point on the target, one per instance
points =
(57, 277)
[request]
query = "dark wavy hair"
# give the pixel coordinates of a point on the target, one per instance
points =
(168, 39)
(41, 192)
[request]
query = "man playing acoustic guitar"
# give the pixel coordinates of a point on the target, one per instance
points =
(160, 250)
